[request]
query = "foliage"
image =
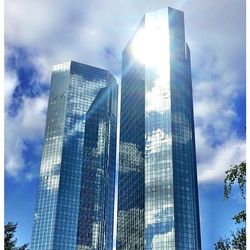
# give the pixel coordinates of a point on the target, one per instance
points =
(9, 240)
(237, 172)
(237, 241)
(223, 244)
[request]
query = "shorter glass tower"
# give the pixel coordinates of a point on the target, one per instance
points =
(79, 149)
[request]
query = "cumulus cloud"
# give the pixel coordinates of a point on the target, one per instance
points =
(11, 82)
(26, 127)
(229, 153)
(95, 32)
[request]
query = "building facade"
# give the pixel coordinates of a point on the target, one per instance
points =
(78, 152)
(158, 204)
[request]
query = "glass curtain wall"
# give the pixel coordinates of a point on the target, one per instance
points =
(74, 87)
(157, 190)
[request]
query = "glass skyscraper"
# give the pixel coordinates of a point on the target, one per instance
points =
(74, 207)
(158, 204)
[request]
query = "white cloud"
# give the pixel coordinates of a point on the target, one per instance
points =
(222, 157)
(27, 126)
(14, 148)
(11, 82)
(32, 117)
(214, 106)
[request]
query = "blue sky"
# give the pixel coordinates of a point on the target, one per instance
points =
(39, 34)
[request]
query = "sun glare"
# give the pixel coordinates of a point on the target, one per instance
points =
(150, 45)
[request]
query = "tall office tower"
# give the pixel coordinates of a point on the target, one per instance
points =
(74, 207)
(157, 190)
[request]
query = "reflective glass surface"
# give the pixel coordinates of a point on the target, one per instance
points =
(157, 189)
(95, 228)
(74, 88)
(130, 232)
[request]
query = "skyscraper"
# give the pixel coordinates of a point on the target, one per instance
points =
(157, 189)
(77, 173)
